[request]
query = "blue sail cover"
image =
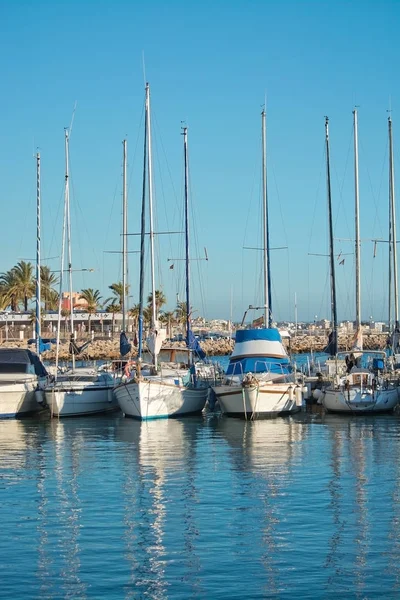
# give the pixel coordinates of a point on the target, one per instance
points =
(124, 345)
(258, 351)
(193, 344)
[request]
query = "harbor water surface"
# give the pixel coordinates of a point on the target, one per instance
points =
(203, 507)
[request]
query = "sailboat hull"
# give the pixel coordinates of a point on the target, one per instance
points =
(360, 401)
(158, 398)
(80, 401)
(259, 401)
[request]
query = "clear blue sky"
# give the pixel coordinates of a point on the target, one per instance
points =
(210, 64)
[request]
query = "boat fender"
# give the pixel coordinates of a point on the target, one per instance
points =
(317, 394)
(291, 394)
(299, 395)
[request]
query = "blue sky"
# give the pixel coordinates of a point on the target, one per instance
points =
(209, 64)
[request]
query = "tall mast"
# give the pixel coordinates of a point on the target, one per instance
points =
(187, 254)
(65, 220)
(68, 208)
(142, 236)
(393, 225)
(357, 224)
(38, 281)
(266, 260)
(331, 255)
(151, 220)
(124, 234)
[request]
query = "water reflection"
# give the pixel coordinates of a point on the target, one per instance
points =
(68, 507)
(362, 452)
(200, 508)
(262, 454)
(159, 493)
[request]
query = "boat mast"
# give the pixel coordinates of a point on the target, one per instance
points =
(393, 227)
(357, 224)
(142, 236)
(65, 219)
(151, 219)
(124, 234)
(187, 254)
(69, 243)
(331, 255)
(38, 281)
(266, 261)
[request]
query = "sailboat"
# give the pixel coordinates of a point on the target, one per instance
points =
(21, 370)
(79, 390)
(160, 391)
(361, 383)
(259, 381)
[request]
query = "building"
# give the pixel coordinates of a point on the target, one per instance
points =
(77, 302)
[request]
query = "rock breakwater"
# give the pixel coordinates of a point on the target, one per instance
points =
(107, 349)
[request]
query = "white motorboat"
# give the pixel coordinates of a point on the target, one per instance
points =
(367, 387)
(81, 391)
(260, 381)
(20, 374)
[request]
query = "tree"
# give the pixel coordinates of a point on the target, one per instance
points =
(113, 308)
(181, 312)
(168, 318)
(160, 300)
(92, 298)
(47, 282)
(24, 282)
(9, 291)
(134, 314)
(52, 300)
(118, 291)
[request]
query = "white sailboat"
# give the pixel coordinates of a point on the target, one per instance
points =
(362, 383)
(21, 371)
(79, 390)
(260, 381)
(160, 391)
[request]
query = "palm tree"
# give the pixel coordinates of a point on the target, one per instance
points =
(134, 314)
(52, 300)
(147, 315)
(92, 298)
(181, 312)
(47, 281)
(118, 291)
(113, 308)
(9, 292)
(24, 282)
(160, 300)
(168, 318)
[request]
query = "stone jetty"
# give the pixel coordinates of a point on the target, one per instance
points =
(107, 349)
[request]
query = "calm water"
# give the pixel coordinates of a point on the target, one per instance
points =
(203, 507)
